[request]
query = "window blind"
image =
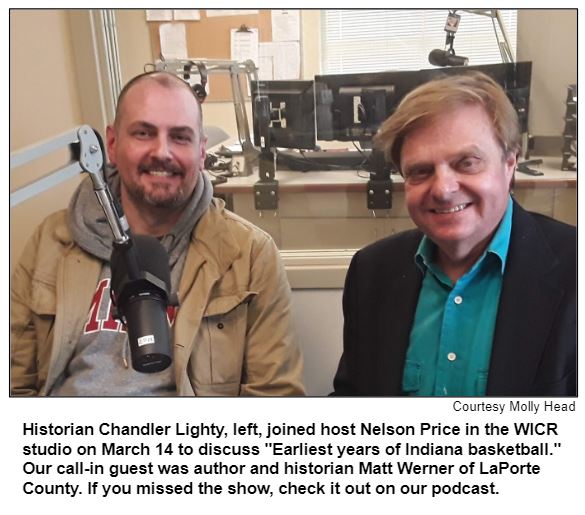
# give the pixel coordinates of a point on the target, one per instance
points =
(372, 40)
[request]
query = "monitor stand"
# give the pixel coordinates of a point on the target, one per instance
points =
(379, 192)
(266, 189)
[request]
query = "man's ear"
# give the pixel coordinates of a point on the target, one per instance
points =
(111, 144)
(510, 162)
(202, 152)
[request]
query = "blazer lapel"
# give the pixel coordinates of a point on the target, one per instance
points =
(402, 301)
(399, 290)
(528, 303)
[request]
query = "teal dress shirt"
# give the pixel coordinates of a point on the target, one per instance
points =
(451, 338)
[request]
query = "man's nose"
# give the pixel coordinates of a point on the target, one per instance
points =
(445, 182)
(161, 149)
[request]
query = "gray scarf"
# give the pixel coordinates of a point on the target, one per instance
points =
(91, 231)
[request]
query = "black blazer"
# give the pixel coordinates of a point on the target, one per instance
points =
(534, 347)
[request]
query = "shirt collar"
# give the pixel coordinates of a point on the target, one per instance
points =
(501, 240)
(498, 246)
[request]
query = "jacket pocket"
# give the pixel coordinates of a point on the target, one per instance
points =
(224, 304)
(43, 301)
(224, 328)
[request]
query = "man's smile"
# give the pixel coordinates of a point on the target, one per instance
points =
(454, 209)
(160, 173)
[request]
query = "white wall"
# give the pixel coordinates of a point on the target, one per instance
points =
(44, 102)
(548, 38)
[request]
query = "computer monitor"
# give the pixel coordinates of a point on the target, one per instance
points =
(514, 78)
(351, 107)
(283, 113)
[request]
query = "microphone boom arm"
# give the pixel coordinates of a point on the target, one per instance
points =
(86, 155)
(504, 46)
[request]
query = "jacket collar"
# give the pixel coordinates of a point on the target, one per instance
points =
(214, 239)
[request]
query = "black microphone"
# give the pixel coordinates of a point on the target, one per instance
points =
(445, 58)
(140, 289)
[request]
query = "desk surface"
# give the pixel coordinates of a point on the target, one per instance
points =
(349, 180)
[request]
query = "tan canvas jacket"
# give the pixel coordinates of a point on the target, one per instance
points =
(232, 334)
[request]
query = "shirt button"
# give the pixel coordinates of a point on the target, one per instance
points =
(458, 299)
(451, 356)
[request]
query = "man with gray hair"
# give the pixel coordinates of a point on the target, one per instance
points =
(481, 298)
(232, 332)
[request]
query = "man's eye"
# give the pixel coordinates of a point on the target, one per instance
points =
(469, 165)
(182, 138)
(418, 174)
(141, 133)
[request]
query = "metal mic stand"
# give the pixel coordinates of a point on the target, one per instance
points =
(86, 155)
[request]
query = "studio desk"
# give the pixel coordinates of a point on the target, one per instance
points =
(322, 217)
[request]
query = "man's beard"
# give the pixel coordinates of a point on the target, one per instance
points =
(159, 196)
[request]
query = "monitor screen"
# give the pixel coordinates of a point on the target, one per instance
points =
(351, 107)
(283, 113)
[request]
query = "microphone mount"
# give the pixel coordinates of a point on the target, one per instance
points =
(447, 57)
(86, 155)
(451, 26)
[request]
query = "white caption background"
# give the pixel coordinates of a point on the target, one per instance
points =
(393, 476)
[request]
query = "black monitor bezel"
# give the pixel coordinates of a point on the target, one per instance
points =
(515, 79)
(300, 94)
